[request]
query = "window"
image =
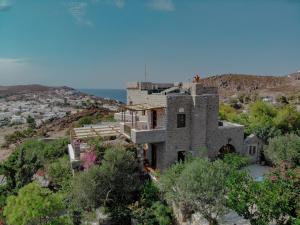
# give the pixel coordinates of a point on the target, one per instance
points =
(180, 120)
(143, 113)
(252, 150)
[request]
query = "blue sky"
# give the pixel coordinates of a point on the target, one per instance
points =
(105, 43)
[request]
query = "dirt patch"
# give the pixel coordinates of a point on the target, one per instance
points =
(4, 154)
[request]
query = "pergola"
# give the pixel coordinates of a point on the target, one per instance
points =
(90, 132)
(134, 108)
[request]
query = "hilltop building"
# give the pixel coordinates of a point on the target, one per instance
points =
(167, 121)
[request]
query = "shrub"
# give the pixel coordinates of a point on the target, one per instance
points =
(114, 182)
(85, 120)
(34, 205)
(284, 148)
(235, 160)
(199, 186)
(162, 213)
(60, 174)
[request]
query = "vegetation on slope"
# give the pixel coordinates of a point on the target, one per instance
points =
(115, 186)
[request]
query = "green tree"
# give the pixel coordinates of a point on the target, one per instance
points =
(87, 193)
(85, 120)
(261, 120)
(31, 122)
(169, 179)
(235, 160)
(26, 169)
(150, 210)
(162, 213)
(19, 169)
(200, 187)
(263, 202)
(287, 119)
(60, 174)
(284, 148)
(226, 112)
(112, 183)
(260, 110)
(25, 161)
(36, 206)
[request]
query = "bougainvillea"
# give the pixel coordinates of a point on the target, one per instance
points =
(89, 159)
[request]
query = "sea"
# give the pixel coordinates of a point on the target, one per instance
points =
(116, 94)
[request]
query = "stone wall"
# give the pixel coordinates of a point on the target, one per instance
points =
(199, 123)
(177, 139)
(137, 96)
(201, 130)
(233, 135)
(253, 140)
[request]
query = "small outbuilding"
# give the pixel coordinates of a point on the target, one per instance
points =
(253, 147)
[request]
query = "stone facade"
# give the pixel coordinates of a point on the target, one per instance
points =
(253, 147)
(185, 121)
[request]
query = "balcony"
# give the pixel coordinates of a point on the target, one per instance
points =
(139, 132)
(148, 136)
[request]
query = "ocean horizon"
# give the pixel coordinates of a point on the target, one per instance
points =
(116, 94)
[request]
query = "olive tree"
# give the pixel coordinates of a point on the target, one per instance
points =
(200, 187)
(284, 148)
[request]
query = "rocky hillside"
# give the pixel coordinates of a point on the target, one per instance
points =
(230, 84)
(25, 89)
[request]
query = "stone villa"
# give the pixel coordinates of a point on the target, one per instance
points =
(167, 121)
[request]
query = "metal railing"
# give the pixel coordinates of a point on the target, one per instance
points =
(127, 130)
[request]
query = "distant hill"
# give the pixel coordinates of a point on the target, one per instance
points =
(25, 89)
(230, 84)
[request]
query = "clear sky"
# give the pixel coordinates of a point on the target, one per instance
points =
(105, 43)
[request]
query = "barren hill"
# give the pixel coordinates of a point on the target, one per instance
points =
(230, 84)
(25, 89)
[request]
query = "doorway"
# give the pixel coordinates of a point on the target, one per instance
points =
(154, 119)
(153, 156)
(225, 149)
(181, 156)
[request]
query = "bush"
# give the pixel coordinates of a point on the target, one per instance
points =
(114, 182)
(149, 194)
(25, 161)
(60, 174)
(284, 148)
(31, 122)
(287, 119)
(120, 215)
(272, 200)
(235, 161)
(18, 136)
(162, 213)
(198, 185)
(35, 205)
(150, 210)
(85, 120)
(226, 112)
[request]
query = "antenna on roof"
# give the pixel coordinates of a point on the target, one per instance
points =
(145, 72)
